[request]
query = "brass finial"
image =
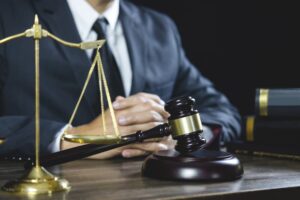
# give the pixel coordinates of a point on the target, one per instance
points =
(37, 29)
(36, 19)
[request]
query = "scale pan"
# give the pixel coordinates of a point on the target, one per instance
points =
(92, 139)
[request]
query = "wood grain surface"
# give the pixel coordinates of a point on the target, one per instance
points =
(264, 178)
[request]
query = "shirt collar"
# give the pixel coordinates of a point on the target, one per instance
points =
(85, 15)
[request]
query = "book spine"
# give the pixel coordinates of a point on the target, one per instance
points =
(277, 102)
(271, 131)
(261, 102)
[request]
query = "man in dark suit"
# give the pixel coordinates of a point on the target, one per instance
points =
(150, 65)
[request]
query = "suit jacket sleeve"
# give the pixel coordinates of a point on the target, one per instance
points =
(214, 107)
(19, 135)
(19, 131)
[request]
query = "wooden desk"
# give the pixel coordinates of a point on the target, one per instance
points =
(264, 178)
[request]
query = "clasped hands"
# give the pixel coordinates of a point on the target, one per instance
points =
(141, 111)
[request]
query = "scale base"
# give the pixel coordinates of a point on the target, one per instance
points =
(37, 181)
(202, 165)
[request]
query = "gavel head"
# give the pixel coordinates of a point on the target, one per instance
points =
(185, 124)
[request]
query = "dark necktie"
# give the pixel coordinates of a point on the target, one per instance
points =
(110, 67)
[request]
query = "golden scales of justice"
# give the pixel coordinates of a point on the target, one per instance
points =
(38, 180)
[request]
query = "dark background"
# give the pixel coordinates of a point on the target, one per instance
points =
(239, 45)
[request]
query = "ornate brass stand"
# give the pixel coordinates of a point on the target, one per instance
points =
(38, 180)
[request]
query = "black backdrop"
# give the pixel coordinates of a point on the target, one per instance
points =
(239, 45)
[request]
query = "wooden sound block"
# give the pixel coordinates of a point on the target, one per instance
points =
(201, 165)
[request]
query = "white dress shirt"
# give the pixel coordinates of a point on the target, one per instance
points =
(85, 16)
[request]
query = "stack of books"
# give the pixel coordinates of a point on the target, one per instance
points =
(274, 129)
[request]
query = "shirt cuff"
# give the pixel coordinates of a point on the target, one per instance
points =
(207, 133)
(55, 145)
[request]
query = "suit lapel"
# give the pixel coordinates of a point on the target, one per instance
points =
(136, 42)
(57, 16)
(59, 20)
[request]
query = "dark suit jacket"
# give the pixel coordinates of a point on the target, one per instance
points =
(158, 62)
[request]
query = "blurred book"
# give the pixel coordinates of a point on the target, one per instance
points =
(274, 130)
(282, 103)
(271, 131)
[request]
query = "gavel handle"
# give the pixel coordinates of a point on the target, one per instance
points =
(84, 151)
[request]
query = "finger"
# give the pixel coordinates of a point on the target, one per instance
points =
(147, 106)
(108, 154)
(125, 130)
(150, 146)
(119, 98)
(136, 99)
(140, 118)
(130, 153)
(158, 139)
(129, 102)
(154, 97)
